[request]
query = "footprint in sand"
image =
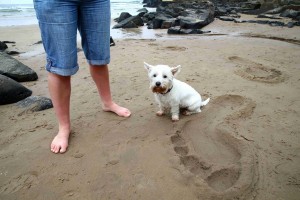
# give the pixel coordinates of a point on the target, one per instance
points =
(24, 181)
(211, 148)
(256, 72)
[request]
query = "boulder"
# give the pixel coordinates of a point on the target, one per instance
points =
(160, 19)
(34, 104)
(12, 52)
(191, 23)
(142, 12)
(11, 91)
(3, 46)
(16, 70)
(130, 22)
(123, 16)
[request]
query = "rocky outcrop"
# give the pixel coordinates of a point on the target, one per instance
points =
(272, 12)
(185, 15)
(189, 16)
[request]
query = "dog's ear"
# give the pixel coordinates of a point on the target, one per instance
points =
(147, 66)
(176, 70)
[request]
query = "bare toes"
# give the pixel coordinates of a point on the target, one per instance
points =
(121, 111)
(60, 143)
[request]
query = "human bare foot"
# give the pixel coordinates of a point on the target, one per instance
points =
(60, 142)
(121, 111)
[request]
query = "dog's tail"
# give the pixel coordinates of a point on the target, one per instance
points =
(205, 102)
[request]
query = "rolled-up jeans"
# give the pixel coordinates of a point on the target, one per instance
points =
(59, 21)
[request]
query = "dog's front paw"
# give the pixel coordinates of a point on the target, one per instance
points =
(159, 113)
(175, 118)
(186, 113)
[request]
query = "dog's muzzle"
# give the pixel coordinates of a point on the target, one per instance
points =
(159, 89)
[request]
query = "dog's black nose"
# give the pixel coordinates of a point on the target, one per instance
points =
(158, 83)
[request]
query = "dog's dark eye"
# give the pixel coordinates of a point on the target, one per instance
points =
(165, 76)
(154, 75)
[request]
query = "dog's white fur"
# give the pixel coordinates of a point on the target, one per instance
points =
(172, 94)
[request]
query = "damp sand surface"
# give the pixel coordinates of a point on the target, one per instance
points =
(245, 144)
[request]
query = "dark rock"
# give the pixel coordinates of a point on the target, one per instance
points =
(199, 17)
(174, 30)
(12, 52)
(123, 16)
(168, 23)
(251, 5)
(150, 25)
(276, 23)
(9, 42)
(290, 24)
(281, 9)
(275, 11)
(191, 23)
(34, 104)
(290, 13)
(253, 11)
(142, 12)
(12, 91)
(172, 11)
(151, 3)
(14, 69)
(190, 31)
(160, 19)
(178, 30)
(150, 15)
(271, 23)
(39, 42)
(188, 15)
(224, 18)
(3, 46)
(220, 11)
(131, 22)
(112, 42)
(233, 12)
(268, 16)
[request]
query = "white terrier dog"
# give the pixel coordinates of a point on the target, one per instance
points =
(172, 94)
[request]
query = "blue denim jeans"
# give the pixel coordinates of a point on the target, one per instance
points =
(59, 21)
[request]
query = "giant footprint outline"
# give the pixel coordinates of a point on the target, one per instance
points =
(256, 72)
(235, 174)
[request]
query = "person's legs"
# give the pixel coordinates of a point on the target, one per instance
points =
(58, 25)
(60, 92)
(94, 27)
(100, 76)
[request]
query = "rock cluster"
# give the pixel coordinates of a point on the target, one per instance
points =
(188, 17)
(11, 91)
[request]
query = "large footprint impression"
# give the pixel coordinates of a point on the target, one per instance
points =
(213, 150)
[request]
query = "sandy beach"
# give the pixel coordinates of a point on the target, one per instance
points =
(245, 144)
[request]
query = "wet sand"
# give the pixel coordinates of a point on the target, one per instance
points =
(243, 145)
